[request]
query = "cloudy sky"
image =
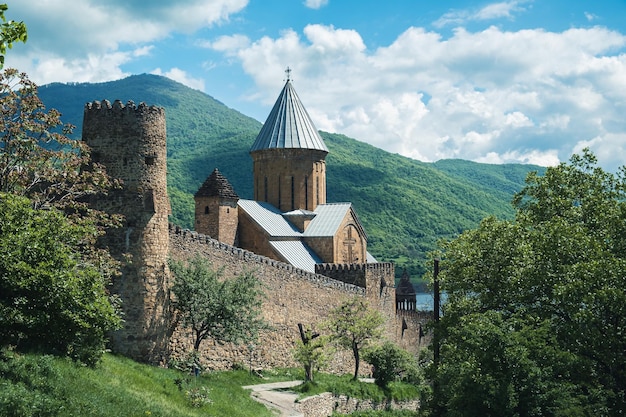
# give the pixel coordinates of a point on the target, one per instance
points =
(529, 81)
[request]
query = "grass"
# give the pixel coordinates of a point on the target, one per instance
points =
(46, 386)
(42, 385)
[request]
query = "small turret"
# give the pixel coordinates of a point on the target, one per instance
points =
(216, 209)
(406, 297)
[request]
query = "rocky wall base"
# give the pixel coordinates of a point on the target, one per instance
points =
(326, 404)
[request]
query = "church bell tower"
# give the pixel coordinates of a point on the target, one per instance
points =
(289, 156)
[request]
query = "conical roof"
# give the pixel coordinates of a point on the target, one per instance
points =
(404, 286)
(216, 185)
(288, 125)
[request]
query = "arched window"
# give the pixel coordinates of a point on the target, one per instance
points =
(206, 210)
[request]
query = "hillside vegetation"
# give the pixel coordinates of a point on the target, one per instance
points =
(44, 385)
(405, 205)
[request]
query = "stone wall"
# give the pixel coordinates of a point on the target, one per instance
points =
(292, 296)
(326, 404)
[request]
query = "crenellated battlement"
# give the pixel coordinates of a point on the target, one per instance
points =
(117, 106)
(370, 276)
(385, 267)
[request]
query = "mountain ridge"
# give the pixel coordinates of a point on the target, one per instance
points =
(405, 205)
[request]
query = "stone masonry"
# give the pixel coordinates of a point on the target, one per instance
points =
(130, 141)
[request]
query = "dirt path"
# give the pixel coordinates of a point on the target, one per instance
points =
(282, 401)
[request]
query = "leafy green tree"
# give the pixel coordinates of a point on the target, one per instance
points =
(391, 363)
(10, 32)
(225, 310)
(536, 308)
(310, 351)
(52, 299)
(353, 325)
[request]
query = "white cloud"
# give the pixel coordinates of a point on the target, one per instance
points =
(182, 77)
(505, 9)
(493, 96)
(228, 43)
(315, 4)
(89, 40)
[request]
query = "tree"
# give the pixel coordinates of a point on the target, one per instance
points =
(536, 308)
(309, 351)
(225, 310)
(391, 363)
(352, 325)
(51, 298)
(10, 32)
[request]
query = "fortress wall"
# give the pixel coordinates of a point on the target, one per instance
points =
(293, 296)
(407, 330)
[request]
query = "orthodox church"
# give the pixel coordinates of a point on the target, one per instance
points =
(289, 219)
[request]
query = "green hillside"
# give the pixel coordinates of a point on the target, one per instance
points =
(405, 205)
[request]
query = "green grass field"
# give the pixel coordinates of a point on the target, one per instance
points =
(35, 385)
(46, 386)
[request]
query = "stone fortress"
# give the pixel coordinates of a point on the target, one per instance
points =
(309, 254)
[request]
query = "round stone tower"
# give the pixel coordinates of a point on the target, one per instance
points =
(289, 157)
(130, 141)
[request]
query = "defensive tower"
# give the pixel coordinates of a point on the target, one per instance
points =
(130, 141)
(216, 209)
(289, 157)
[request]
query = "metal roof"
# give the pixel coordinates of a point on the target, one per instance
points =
(286, 239)
(269, 218)
(297, 253)
(328, 219)
(288, 125)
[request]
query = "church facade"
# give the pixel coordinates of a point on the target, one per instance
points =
(289, 219)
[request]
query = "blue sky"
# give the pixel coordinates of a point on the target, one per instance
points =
(528, 81)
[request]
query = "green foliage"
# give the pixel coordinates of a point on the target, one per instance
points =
(36, 385)
(416, 203)
(391, 363)
(53, 277)
(51, 298)
(226, 310)
(346, 385)
(536, 309)
(10, 32)
(353, 325)
(311, 352)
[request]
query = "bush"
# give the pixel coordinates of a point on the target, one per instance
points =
(52, 299)
(391, 363)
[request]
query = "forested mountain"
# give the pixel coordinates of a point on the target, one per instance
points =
(405, 205)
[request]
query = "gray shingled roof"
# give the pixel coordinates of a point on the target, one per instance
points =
(216, 185)
(288, 125)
